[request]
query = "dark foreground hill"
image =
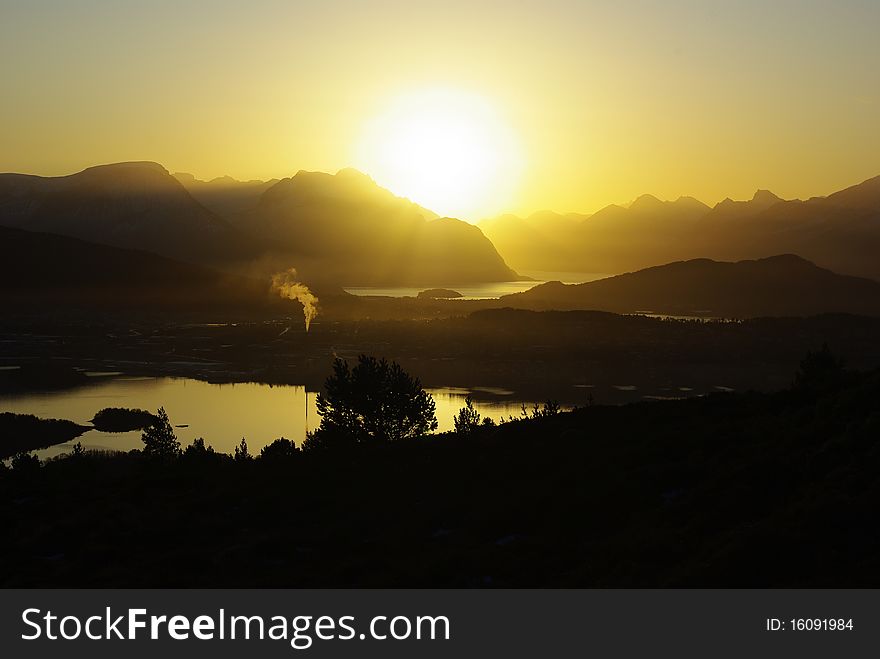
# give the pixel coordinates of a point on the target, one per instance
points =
(729, 490)
(784, 285)
(46, 272)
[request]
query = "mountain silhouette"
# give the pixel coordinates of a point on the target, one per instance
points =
(346, 228)
(225, 196)
(760, 201)
(865, 195)
(132, 204)
(339, 228)
(615, 238)
(840, 232)
(784, 285)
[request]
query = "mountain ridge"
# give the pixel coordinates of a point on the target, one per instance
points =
(340, 228)
(779, 285)
(840, 231)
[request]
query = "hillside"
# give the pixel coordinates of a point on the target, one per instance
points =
(48, 272)
(776, 286)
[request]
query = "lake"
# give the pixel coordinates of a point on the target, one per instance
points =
(220, 413)
(483, 291)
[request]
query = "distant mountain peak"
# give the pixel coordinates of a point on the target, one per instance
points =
(145, 165)
(226, 178)
(765, 196)
(352, 173)
(790, 259)
(761, 200)
(645, 202)
(686, 201)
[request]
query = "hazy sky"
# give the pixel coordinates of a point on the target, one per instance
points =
(606, 100)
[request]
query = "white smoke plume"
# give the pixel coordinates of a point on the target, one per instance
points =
(286, 285)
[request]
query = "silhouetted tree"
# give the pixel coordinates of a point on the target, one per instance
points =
(376, 401)
(550, 408)
(199, 451)
(468, 419)
(241, 451)
(159, 438)
(78, 451)
(280, 449)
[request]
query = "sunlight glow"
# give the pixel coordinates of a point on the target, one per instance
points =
(444, 149)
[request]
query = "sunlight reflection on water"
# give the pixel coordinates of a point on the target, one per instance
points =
(221, 413)
(483, 291)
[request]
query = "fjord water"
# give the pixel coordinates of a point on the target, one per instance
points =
(220, 413)
(484, 290)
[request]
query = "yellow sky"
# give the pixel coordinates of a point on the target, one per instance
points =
(606, 100)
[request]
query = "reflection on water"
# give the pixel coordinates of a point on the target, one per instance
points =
(221, 413)
(483, 291)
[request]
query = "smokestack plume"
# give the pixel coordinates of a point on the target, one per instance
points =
(286, 285)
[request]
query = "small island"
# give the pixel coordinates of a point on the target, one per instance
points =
(120, 419)
(439, 294)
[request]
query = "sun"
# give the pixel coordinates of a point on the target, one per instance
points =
(448, 150)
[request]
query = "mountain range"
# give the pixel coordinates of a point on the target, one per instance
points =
(133, 204)
(840, 232)
(227, 197)
(339, 229)
(344, 229)
(784, 285)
